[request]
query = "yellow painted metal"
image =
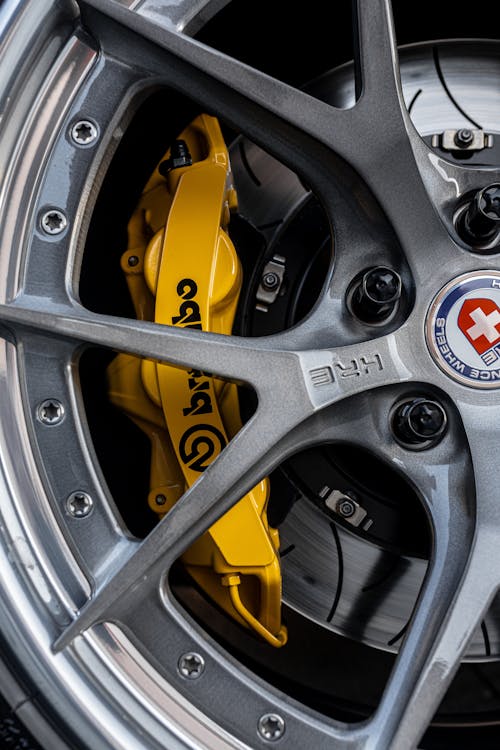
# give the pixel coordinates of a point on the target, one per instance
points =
(182, 269)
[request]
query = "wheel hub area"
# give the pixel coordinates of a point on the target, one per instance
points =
(463, 329)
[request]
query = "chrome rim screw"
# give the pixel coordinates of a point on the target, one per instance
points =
(84, 133)
(54, 222)
(271, 727)
(50, 411)
(79, 504)
(191, 665)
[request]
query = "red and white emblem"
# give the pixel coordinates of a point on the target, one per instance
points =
(479, 321)
(463, 329)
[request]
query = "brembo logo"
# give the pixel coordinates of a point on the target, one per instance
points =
(200, 443)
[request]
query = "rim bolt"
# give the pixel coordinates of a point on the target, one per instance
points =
(54, 222)
(481, 220)
(191, 665)
(346, 508)
(50, 411)
(79, 505)
(420, 422)
(376, 294)
(270, 281)
(463, 137)
(179, 157)
(271, 727)
(84, 133)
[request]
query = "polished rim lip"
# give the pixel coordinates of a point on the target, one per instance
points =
(431, 319)
(81, 684)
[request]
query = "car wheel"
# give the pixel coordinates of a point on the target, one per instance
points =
(352, 601)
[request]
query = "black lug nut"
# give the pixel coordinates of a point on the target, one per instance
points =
(481, 220)
(376, 294)
(179, 157)
(419, 422)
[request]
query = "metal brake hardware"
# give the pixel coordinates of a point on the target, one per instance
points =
(182, 269)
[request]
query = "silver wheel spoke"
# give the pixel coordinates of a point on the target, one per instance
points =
(462, 579)
(288, 397)
(331, 375)
(123, 73)
(252, 454)
(304, 132)
(288, 103)
(316, 378)
(454, 600)
(232, 357)
(377, 58)
(388, 164)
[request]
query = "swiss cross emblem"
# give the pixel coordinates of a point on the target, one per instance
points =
(463, 329)
(479, 321)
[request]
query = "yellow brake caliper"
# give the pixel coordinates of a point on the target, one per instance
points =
(182, 269)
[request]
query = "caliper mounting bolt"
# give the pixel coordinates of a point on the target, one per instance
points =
(464, 137)
(419, 422)
(179, 157)
(376, 294)
(480, 223)
(270, 281)
(346, 508)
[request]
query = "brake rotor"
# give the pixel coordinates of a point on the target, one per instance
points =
(353, 556)
(361, 584)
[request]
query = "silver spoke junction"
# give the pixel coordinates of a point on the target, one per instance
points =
(408, 381)
(462, 581)
(266, 107)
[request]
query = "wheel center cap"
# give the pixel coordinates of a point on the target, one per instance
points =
(463, 329)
